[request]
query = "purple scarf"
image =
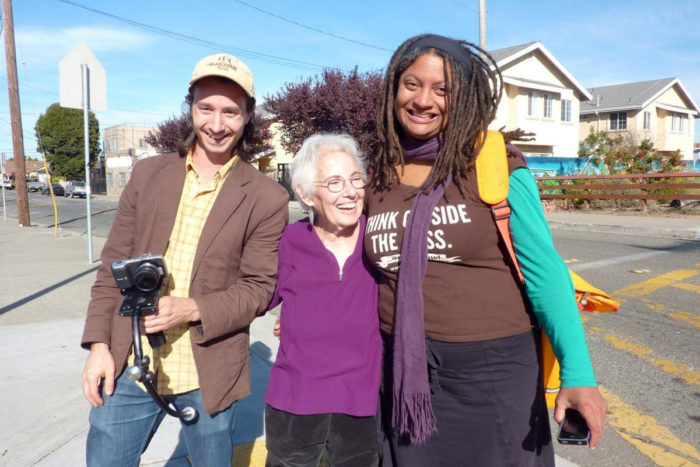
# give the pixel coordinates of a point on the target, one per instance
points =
(412, 410)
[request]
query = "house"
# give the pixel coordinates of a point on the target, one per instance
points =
(660, 110)
(274, 162)
(123, 146)
(33, 169)
(539, 96)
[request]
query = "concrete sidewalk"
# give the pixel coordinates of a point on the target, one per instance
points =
(682, 228)
(44, 290)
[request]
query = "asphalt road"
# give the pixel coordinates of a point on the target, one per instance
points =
(71, 212)
(646, 356)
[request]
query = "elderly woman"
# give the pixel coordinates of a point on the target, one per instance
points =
(462, 382)
(324, 385)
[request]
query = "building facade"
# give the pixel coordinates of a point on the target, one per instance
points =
(539, 96)
(123, 146)
(660, 110)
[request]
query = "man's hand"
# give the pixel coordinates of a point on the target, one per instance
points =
(99, 366)
(589, 402)
(171, 311)
(277, 330)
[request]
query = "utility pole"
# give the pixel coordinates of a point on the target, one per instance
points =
(482, 24)
(15, 115)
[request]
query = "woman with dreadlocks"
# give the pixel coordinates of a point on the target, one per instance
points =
(462, 382)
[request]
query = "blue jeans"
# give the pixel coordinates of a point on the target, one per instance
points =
(122, 427)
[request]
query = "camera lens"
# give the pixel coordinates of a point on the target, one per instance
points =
(147, 277)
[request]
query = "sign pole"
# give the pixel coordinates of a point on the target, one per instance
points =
(81, 66)
(88, 190)
(2, 174)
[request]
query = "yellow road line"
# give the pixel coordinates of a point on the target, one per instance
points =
(675, 369)
(679, 315)
(651, 285)
(686, 286)
(644, 432)
(687, 317)
(249, 455)
(254, 454)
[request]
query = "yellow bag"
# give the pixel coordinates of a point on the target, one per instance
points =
(492, 180)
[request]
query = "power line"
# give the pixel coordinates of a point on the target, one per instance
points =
(209, 44)
(25, 86)
(310, 28)
(466, 6)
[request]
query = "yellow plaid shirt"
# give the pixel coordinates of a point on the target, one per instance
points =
(173, 363)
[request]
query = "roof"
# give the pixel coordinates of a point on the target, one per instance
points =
(504, 57)
(30, 165)
(502, 54)
(632, 96)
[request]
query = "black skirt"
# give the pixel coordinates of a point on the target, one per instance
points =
(489, 403)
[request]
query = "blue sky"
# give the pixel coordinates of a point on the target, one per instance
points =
(148, 64)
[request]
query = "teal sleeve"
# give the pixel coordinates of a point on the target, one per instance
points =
(547, 281)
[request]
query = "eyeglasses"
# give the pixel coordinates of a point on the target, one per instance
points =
(336, 184)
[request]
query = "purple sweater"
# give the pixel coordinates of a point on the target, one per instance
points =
(329, 356)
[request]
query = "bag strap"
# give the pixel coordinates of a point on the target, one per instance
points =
(501, 215)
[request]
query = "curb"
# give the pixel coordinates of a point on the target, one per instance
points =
(682, 234)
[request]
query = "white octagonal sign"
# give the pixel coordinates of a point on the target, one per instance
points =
(70, 79)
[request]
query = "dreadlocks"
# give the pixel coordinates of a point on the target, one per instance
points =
(472, 101)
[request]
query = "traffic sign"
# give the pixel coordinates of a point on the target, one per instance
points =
(70, 80)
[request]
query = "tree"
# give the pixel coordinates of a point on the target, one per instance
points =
(60, 134)
(165, 137)
(627, 153)
(332, 102)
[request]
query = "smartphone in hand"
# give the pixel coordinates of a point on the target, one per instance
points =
(573, 429)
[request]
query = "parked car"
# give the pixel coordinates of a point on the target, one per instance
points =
(7, 184)
(33, 184)
(57, 189)
(74, 189)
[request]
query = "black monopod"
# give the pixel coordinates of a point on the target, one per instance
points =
(140, 280)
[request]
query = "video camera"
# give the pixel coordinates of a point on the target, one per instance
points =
(140, 280)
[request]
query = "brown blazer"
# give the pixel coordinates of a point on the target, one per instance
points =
(233, 276)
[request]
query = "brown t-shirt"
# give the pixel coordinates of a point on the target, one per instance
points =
(469, 292)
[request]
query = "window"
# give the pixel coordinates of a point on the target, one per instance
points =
(565, 110)
(678, 122)
(122, 178)
(142, 143)
(618, 121)
(114, 143)
(547, 110)
(532, 104)
(647, 120)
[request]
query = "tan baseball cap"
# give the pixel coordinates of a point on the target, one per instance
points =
(226, 66)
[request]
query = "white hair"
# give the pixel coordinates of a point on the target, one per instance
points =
(303, 169)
